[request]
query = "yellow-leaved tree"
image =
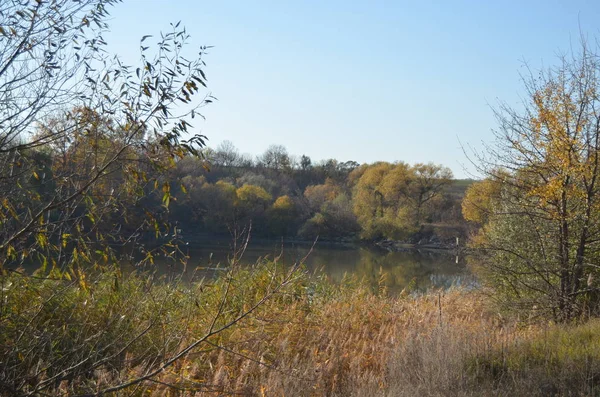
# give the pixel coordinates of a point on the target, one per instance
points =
(539, 206)
(394, 200)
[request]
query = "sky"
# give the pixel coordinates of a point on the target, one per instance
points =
(364, 81)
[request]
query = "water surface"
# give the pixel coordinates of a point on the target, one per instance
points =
(417, 269)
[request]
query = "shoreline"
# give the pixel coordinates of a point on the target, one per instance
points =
(387, 245)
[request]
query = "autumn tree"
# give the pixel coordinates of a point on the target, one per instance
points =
(101, 124)
(480, 201)
(428, 184)
(281, 217)
(396, 188)
(540, 240)
(317, 195)
(392, 200)
(368, 200)
(331, 215)
(251, 204)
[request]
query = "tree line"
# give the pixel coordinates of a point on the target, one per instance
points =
(282, 195)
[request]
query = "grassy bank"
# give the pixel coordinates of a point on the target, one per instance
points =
(84, 334)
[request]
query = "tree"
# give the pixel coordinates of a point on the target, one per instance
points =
(429, 182)
(392, 200)
(282, 216)
(251, 178)
(334, 220)
(540, 207)
(368, 200)
(480, 199)
(305, 163)
(251, 203)
(317, 195)
(226, 154)
(276, 157)
(103, 126)
(40, 64)
(348, 166)
(84, 140)
(205, 205)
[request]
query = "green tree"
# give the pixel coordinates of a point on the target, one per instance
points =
(217, 206)
(305, 163)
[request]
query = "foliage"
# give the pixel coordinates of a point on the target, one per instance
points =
(217, 204)
(393, 200)
(252, 203)
(329, 198)
(478, 203)
(539, 205)
(311, 338)
(334, 220)
(317, 195)
(85, 139)
(282, 215)
(250, 196)
(92, 333)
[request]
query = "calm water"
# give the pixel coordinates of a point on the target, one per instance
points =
(421, 270)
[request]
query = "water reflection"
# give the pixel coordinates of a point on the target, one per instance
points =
(417, 270)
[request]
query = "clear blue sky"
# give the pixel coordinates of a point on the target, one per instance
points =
(363, 81)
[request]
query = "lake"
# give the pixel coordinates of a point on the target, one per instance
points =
(419, 269)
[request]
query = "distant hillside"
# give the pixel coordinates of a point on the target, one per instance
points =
(458, 187)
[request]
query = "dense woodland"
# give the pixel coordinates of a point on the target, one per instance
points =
(282, 195)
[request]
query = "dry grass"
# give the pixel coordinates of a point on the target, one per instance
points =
(358, 343)
(311, 339)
